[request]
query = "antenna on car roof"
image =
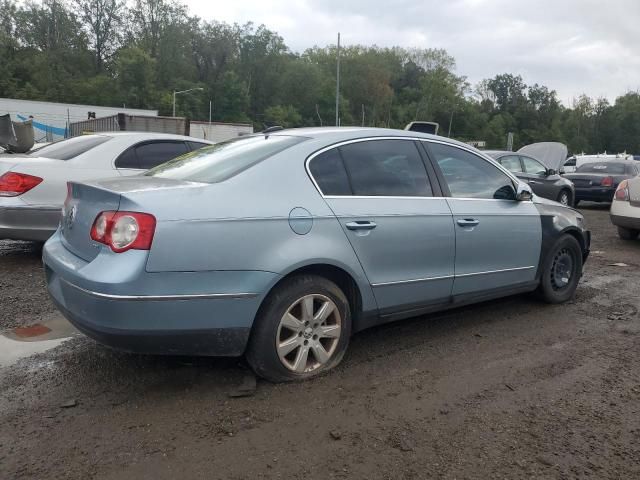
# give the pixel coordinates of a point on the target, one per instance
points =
(275, 128)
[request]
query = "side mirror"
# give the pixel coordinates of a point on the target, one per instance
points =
(524, 193)
(550, 172)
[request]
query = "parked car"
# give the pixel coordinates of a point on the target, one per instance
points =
(33, 186)
(280, 245)
(598, 181)
(575, 161)
(544, 181)
(625, 209)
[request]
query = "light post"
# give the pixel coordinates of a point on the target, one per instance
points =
(182, 91)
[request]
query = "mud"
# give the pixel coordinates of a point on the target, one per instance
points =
(507, 389)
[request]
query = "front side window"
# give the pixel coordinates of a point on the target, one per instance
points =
(511, 163)
(223, 160)
(71, 147)
(469, 176)
(386, 168)
(533, 167)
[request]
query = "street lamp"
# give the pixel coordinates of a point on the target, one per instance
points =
(182, 91)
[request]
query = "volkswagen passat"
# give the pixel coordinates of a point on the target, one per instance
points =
(282, 245)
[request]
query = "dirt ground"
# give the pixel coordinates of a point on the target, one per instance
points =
(507, 389)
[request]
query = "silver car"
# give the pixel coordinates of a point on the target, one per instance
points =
(281, 245)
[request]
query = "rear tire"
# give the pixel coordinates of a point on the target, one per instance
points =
(302, 330)
(561, 271)
(564, 197)
(628, 233)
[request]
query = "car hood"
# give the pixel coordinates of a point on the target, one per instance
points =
(551, 154)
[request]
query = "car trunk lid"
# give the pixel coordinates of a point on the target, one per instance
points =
(88, 199)
(84, 203)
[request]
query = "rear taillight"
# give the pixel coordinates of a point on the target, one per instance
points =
(607, 182)
(622, 193)
(124, 231)
(13, 184)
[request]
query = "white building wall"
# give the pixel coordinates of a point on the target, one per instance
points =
(218, 132)
(50, 119)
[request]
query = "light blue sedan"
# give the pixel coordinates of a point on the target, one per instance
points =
(283, 244)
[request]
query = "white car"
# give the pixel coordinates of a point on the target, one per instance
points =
(33, 186)
(625, 209)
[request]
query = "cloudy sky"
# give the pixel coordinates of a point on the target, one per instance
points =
(572, 46)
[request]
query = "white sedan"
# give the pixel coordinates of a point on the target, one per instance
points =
(625, 209)
(33, 186)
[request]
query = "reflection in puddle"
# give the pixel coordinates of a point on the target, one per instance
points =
(23, 342)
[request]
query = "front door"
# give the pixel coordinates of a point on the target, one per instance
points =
(536, 176)
(401, 232)
(498, 239)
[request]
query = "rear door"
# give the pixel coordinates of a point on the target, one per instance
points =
(400, 228)
(498, 239)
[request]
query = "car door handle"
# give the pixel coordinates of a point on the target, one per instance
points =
(467, 222)
(361, 225)
(532, 181)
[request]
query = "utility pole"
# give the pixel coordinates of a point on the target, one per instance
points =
(338, 84)
(363, 114)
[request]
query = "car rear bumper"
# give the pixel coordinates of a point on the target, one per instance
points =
(595, 194)
(626, 222)
(169, 320)
(28, 223)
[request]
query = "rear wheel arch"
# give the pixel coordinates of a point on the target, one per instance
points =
(343, 279)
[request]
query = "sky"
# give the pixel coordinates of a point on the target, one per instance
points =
(571, 46)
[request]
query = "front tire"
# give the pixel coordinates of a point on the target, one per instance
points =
(561, 271)
(302, 330)
(564, 197)
(627, 233)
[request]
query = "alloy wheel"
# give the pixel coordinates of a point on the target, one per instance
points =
(308, 333)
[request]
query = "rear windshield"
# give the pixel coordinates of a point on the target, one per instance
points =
(608, 168)
(70, 148)
(223, 160)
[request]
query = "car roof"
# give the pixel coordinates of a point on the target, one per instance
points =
(149, 135)
(337, 134)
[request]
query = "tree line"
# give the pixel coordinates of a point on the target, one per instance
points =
(112, 53)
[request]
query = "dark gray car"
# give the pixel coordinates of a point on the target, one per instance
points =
(545, 182)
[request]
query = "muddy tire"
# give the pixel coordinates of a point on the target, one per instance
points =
(627, 233)
(302, 330)
(561, 271)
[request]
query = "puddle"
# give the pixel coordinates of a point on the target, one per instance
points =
(23, 342)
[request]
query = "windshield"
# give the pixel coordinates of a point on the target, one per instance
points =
(70, 148)
(223, 160)
(607, 168)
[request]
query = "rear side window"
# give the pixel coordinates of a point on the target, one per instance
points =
(608, 168)
(511, 163)
(223, 160)
(71, 147)
(128, 159)
(155, 153)
(386, 168)
(469, 176)
(328, 171)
